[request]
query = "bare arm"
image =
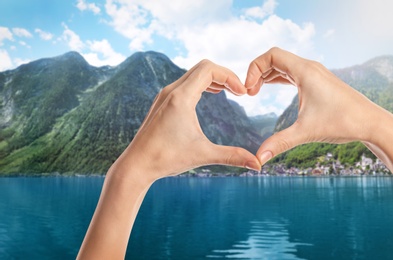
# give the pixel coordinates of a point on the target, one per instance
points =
(169, 142)
(329, 110)
(381, 142)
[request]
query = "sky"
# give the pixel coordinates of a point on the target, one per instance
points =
(230, 33)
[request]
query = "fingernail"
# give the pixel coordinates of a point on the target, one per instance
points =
(251, 165)
(265, 156)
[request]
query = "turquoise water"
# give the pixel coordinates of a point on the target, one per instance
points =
(208, 218)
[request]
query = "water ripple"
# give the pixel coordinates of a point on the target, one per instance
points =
(266, 240)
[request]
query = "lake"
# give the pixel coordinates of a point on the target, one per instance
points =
(208, 218)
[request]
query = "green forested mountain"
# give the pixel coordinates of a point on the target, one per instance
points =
(375, 80)
(63, 115)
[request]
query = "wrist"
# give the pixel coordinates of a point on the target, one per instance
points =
(370, 119)
(380, 127)
(131, 171)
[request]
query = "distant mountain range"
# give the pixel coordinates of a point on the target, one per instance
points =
(63, 115)
(374, 79)
(265, 124)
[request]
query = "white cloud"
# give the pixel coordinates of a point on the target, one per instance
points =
(237, 42)
(266, 9)
(130, 20)
(104, 50)
(44, 35)
(185, 13)
(21, 32)
(272, 98)
(24, 44)
(5, 34)
(72, 39)
(285, 94)
(208, 29)
(5, 60)
(19, 61)
(83, 6)
(99, 53)
(138, 20)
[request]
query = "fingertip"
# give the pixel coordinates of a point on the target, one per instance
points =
(233, 84)
(234, 156)
(253, 91)
(251, 81)
(253, 165)
(265, 156)
(253, 74)
(240, 89)
(281, 142)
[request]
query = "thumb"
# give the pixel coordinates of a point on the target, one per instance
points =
(280, 142)
(233, 156)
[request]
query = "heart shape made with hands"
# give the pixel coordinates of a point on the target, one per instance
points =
(254, 81)
(256, 77)
(172, 123)
(277, 67)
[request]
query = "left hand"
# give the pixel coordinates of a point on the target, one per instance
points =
(330, 111)
(170, 140)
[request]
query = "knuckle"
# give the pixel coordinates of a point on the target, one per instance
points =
(205, 62)
(282, 144)
(274, 50)
(175, 98)
(231, 159)
(164, 92)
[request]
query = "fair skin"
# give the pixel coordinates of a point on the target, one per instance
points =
(330, 111)
(170, 140)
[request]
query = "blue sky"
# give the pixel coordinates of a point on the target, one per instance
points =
(228, 32)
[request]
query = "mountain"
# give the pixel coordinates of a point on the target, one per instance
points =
(374, 79)
(265, 124)
(63, 115)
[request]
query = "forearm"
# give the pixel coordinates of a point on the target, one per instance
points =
(110, 228)
(381, 136)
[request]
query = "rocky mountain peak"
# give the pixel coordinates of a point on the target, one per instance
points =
(384, 65)
(62, 115)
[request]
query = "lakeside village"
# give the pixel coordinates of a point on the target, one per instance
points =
(328, 167)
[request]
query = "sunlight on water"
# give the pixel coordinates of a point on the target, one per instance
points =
(266, 240)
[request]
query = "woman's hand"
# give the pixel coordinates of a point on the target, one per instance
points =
(329, 110)
(169, 142)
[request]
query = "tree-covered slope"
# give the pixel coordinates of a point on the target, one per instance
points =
(375, 80)
(63, 115)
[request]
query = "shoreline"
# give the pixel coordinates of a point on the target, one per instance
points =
(197, 175)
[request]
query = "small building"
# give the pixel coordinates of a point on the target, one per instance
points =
(317, 171)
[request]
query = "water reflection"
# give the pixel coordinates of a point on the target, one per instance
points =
(266, 240)
(266, 218)
(196, 218)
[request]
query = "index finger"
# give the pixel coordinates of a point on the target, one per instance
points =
(206, 73)
(275, 59)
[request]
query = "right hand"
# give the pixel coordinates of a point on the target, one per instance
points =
(329, 110)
